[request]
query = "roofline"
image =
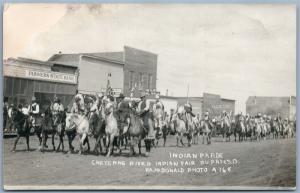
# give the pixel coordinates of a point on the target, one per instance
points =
(228, 99)
(63, 64)
(32, 61)
(103, 59)
(140, 50)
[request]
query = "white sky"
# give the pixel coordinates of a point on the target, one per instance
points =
(231, 50)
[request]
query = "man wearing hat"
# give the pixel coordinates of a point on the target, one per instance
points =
(34, 109)
(123, 114)
(158, 109)
(143, 110)
(57, 106)
(189, 108)
(78, 106)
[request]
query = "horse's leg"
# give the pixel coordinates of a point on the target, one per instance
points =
(148, 146)
(43, 142)
(96, 145)
(71, 148)
(27, 142)
(181, 137)
(165, 138)
(131, 146)
(177, 139)
(88, 143)
(15, 144)
(81, 143)
(53, 144)
(59, 143)
(39, 137)
(110, 147)
(119, 145)
(140, 145)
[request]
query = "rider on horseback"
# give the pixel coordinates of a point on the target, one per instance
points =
(188, 113)
(78, 106)
(144, 112)
(123, 111)
(158, 108)
(225, 118)
(34, 110)
(57, 106)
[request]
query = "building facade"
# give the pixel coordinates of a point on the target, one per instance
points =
(273, 106)
(25, 78)
(131, 71)
(211, 103)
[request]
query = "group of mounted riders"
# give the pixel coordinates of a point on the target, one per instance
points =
(119, 121)
(254, 127)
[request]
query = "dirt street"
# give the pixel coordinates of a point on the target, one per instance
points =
(232, 164)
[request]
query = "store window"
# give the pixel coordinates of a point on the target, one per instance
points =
(140, 81)
(131, 83)
(150, 81)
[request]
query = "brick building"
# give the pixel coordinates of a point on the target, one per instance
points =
(285, 106)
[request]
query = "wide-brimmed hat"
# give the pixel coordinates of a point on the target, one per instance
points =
(143, 94)
(56, 99)
(121, 96)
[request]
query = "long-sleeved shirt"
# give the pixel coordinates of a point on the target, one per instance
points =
(34, 108)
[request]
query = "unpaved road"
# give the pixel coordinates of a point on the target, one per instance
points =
(259, 164)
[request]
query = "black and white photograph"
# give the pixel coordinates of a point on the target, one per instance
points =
(161, 96)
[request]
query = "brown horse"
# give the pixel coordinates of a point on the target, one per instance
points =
(137, 132)
(97, 126)
(21, 123)
(59, 126)
(47, 129)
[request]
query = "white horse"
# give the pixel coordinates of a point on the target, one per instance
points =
(81, 123)
(179, 127)
(111, 128)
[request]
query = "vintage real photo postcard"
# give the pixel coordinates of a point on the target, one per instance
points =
(149, 96)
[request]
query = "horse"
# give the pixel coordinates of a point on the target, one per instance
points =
(47, 128)
(179, 127)
(206, 131)
(21, 123)
(160, 126)
(250, 129)
(97, 126)
(136, 130)
(240, 129)
(197, 130)
(80, 124)
(275, 129)
(111, 129)
(59, 127)
(36, 124)
(258, 130)
(226, 126)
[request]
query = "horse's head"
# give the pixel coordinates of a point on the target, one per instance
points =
(14, 114)
(109, 108)
(70, 120)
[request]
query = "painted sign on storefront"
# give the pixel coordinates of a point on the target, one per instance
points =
(21, 72)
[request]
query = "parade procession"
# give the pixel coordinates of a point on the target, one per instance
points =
(115, 119)
(149, 96)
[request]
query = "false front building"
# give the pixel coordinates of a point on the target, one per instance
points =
(130, 71)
